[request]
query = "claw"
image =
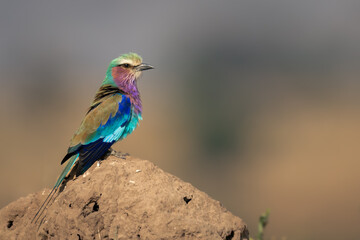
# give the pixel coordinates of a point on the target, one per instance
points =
(118, 154)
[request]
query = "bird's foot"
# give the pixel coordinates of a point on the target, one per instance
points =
(118, 154)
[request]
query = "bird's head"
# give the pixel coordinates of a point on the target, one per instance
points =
(126, 69)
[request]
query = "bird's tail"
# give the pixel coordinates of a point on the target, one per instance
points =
(61, 178)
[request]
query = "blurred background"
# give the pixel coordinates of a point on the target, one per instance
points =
(254, 102)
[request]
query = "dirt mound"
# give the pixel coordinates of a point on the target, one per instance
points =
(123, 199)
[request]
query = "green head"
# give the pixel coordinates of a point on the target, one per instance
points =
(125, 69)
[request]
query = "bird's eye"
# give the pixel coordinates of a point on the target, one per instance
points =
(126, 65)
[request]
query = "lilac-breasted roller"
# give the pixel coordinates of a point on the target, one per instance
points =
(114, 113)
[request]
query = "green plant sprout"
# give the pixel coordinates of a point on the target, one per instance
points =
(263, 221)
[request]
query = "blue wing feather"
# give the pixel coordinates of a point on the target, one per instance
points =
(109, 131)
(106, 135)
(121, 118)
(90, 153)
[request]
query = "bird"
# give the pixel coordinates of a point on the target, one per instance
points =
(114, 114)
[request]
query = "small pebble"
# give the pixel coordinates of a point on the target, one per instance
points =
(138, 170)
(131, 181)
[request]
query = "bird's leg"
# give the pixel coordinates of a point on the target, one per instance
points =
(118, 154)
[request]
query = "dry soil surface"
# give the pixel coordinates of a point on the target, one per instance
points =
(122, 199)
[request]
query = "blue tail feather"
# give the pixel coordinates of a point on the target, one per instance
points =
(90, 153)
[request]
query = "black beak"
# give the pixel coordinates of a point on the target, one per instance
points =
(143, 67)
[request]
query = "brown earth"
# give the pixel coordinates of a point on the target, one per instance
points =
(122, 199)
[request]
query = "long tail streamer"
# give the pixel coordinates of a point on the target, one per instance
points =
(61, 178)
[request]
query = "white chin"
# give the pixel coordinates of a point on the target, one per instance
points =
(137, 74)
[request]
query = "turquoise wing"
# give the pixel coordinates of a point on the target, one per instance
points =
(102, 126)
